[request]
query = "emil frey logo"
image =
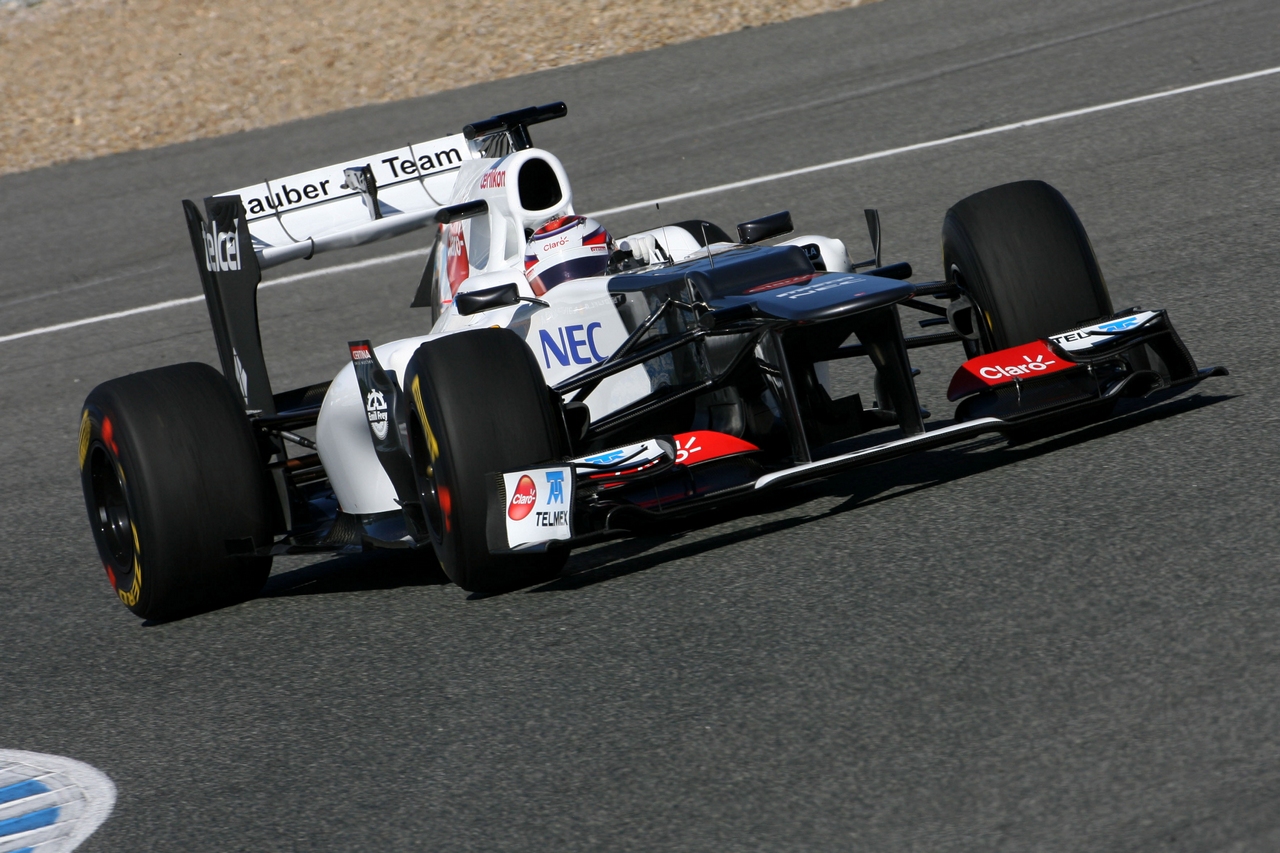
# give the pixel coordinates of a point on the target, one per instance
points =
(375, 407)
(1016, 370)
(222, 248)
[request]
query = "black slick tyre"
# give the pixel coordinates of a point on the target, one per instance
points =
(1020, 254)
(177, 495)
(478, 405)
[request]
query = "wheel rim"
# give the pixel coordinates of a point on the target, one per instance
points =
(111, 520)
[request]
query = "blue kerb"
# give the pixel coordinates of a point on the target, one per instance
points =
(20, 790)
(28, 822)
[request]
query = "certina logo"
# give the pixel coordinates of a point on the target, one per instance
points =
(1016, 370)
(493, 179)
(360, 353)
(222, 248)
(375, 406)
(523, 499)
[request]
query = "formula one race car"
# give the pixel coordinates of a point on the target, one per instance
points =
(572, 387)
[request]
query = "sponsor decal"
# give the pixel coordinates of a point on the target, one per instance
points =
(1101, 333)
(522, 499)
(774, 285)
(607, 458)
(570, 344)
(1010, 365)
(493, 179)
(539, 509)
(360, 352)
(375, 406)
(221, 248)
(695, 447)
(287, 197)
(50, 803)
(309, 188)
(623, 461)
(242, 378)
(820, 286)
(408, 167)
(457, 267)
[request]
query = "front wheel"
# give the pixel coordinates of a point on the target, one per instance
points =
(479, 406)
(177, 495)
(1019, 254)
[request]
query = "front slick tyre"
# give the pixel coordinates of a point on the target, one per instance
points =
(1019, 252)
(176, 491)
(479, 406)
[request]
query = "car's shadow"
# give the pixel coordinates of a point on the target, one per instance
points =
(893, 480)
(644, 550)
(357, 573)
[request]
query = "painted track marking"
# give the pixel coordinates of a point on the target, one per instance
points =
(719, 188)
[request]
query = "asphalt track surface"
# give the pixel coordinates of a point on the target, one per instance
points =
(1067, 645)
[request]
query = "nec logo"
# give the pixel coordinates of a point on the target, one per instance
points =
(574, 344)
(222, 248)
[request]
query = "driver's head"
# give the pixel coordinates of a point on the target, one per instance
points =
(566, 248)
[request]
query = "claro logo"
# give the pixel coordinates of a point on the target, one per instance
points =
(1015, 371)
(522, 501)
(222, 248)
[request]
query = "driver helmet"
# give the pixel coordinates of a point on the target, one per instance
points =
(566, 248)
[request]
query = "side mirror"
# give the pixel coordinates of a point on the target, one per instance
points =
(765, 227)
(474, 301)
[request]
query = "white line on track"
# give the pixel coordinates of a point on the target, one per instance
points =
(720, 188)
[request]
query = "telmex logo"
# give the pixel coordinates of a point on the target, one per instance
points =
(522, 501)
(1016, 370)
(1119, 325)
(222, 248)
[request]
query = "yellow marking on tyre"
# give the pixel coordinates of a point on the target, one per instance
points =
(432, 446)
(130, 596)
(85, 429)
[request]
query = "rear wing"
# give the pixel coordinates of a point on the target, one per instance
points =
(347, 204)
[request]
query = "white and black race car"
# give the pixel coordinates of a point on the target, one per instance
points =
(563, 398)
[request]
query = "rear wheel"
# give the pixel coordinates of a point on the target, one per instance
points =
(480, 406)
(1020, 255)
(177, 496)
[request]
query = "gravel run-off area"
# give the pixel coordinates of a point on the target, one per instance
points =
(84, 78)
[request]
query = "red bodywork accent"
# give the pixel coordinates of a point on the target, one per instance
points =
(111, 576)
(456, 268)
(705, 445)
(1027, 361)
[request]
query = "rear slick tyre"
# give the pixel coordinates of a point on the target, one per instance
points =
(479, 405)
(177, 495)
(1020, 254)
